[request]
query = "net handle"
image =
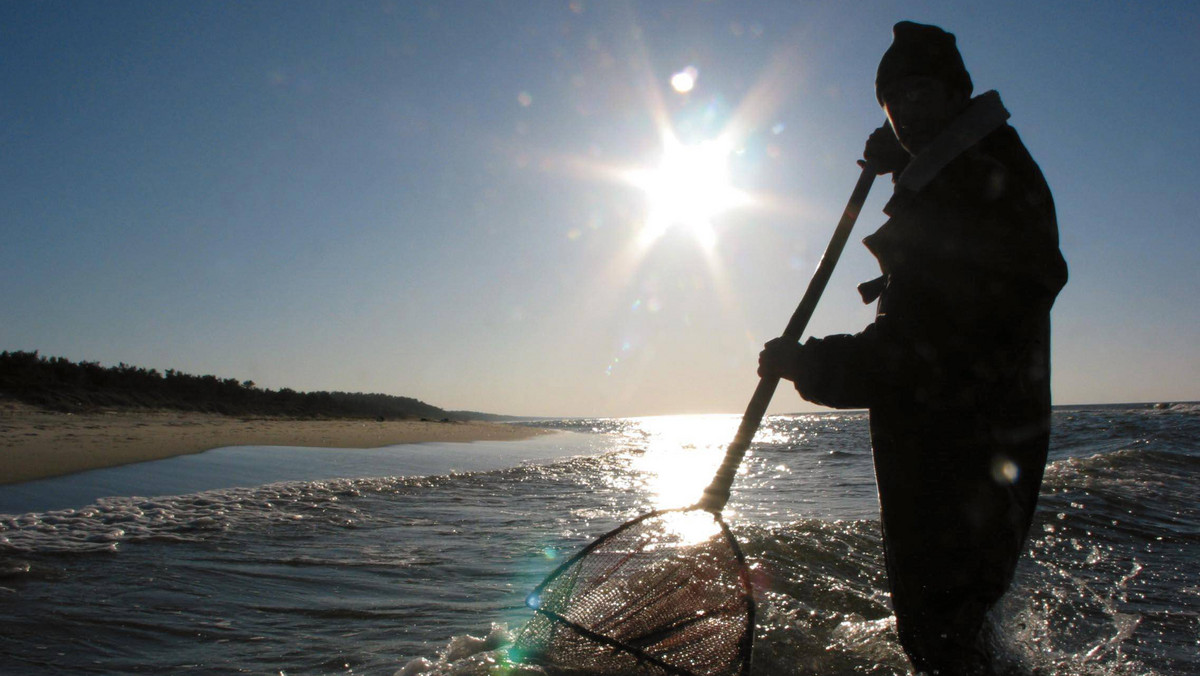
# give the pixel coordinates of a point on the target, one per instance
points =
(717, 492)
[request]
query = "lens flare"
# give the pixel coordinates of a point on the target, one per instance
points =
(1004, 471)
(685, 80)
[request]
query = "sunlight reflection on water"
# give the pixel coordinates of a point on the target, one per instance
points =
(689, 528)
(682, 455)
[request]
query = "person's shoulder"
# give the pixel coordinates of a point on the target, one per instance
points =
(978, 175)
(1004, 145)
(998, 167)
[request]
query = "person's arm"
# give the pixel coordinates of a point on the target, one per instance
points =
(839, 371)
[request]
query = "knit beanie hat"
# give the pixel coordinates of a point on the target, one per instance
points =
(918, 49)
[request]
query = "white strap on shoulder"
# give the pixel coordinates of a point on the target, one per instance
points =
(984, 115)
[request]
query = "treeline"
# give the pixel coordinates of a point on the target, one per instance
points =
(59, 384)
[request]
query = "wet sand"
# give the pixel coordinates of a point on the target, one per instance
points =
(36, 444)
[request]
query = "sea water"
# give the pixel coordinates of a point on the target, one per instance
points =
(416, 559)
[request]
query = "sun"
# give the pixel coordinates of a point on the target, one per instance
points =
(689, 187)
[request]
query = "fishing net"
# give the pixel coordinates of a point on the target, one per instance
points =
(667, 593)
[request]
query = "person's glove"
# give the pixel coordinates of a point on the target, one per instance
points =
(780, 358)
(884, 152)
(785, 358)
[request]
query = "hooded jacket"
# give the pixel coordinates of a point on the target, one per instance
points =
(971, 267)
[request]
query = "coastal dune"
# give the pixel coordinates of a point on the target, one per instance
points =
(37, 444)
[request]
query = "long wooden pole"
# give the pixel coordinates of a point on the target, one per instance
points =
(717, 493)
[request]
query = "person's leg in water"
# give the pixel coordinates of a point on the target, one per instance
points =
(953, 534)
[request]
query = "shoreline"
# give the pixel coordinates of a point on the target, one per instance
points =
(40, 444)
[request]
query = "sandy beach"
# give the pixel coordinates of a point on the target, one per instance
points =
(36, 444)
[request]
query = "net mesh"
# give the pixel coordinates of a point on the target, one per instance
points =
(665, 594)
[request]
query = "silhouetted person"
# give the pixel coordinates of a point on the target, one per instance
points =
(955, 369)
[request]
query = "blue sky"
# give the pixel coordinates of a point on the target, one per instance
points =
(430, 199)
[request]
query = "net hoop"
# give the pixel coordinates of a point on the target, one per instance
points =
(746, 641)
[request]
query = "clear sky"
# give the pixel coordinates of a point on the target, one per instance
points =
(443, 200)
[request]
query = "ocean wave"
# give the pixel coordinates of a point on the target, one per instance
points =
(823, 608)
(1189, 408)
(112, 522)
(1133, 494)
(1113, 549)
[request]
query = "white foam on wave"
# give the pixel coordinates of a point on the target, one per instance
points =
(110, 522)
(468, 655)
(1058, 622)
(1182, 407)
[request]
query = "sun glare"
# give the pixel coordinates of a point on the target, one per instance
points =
(690, 186)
